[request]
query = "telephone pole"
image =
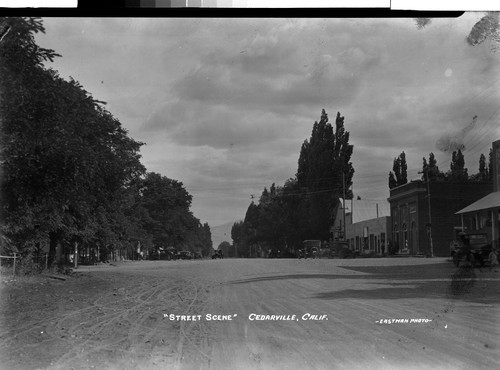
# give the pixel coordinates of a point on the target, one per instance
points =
(343, 194)
(429, 225)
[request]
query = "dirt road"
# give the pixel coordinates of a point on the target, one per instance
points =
(255, 314)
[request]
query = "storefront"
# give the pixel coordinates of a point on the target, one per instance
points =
(483, 216)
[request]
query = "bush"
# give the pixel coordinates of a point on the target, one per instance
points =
(64, 269)
(27, 266)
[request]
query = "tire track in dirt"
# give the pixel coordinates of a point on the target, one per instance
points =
(193, 335)
(130, 313)
(125, 328)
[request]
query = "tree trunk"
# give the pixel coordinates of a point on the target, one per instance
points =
(54, 238)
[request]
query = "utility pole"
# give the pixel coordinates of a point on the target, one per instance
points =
(343, 191)
(429, 225)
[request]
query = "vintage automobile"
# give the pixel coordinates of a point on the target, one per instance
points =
(183, 255)
(218, 254)
(472, 247)
(310, 249)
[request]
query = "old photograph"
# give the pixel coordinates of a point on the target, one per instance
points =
(250, 193)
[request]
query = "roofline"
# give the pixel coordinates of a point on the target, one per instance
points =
(406, 193)
(480, 209)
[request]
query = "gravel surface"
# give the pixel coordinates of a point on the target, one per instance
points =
(380, 313)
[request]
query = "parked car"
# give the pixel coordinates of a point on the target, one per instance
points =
(183, 255)
(274, 253)
(218, 254)
(471, 247)
(310, 249)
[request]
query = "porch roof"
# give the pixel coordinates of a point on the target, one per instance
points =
(492, 200)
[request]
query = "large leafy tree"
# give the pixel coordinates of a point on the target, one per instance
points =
(239, 235)
(167, 203)
(226, 248)
(71, 174)
(65, 159)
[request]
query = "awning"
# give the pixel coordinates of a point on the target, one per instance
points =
(492, 200)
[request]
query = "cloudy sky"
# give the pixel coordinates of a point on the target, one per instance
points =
(224, 105)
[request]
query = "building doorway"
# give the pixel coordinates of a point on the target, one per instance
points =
(413, 239)
(405, 239)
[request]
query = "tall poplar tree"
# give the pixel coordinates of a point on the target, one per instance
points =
(458, 172)
(399, 174)
(324, 173)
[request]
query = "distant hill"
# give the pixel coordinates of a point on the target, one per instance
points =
(221, 233)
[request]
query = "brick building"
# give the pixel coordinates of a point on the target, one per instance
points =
(484, 214)
(415, 227)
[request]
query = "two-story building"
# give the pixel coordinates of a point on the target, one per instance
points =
(484, 214)
(423, 214)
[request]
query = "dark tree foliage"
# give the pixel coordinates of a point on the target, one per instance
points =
(226, 248)
(483, 174)
(167, 204)
(239, 235)
(430, 170)
(396, 168)
(64, 157)
(404, 168)
(399, 175)
(324, 173)
(392, 181)
(458, 172)
(71, 175)
(304, 206)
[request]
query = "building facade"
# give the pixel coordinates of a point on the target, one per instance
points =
(423, 215)
(483, 216)
(366, 225)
